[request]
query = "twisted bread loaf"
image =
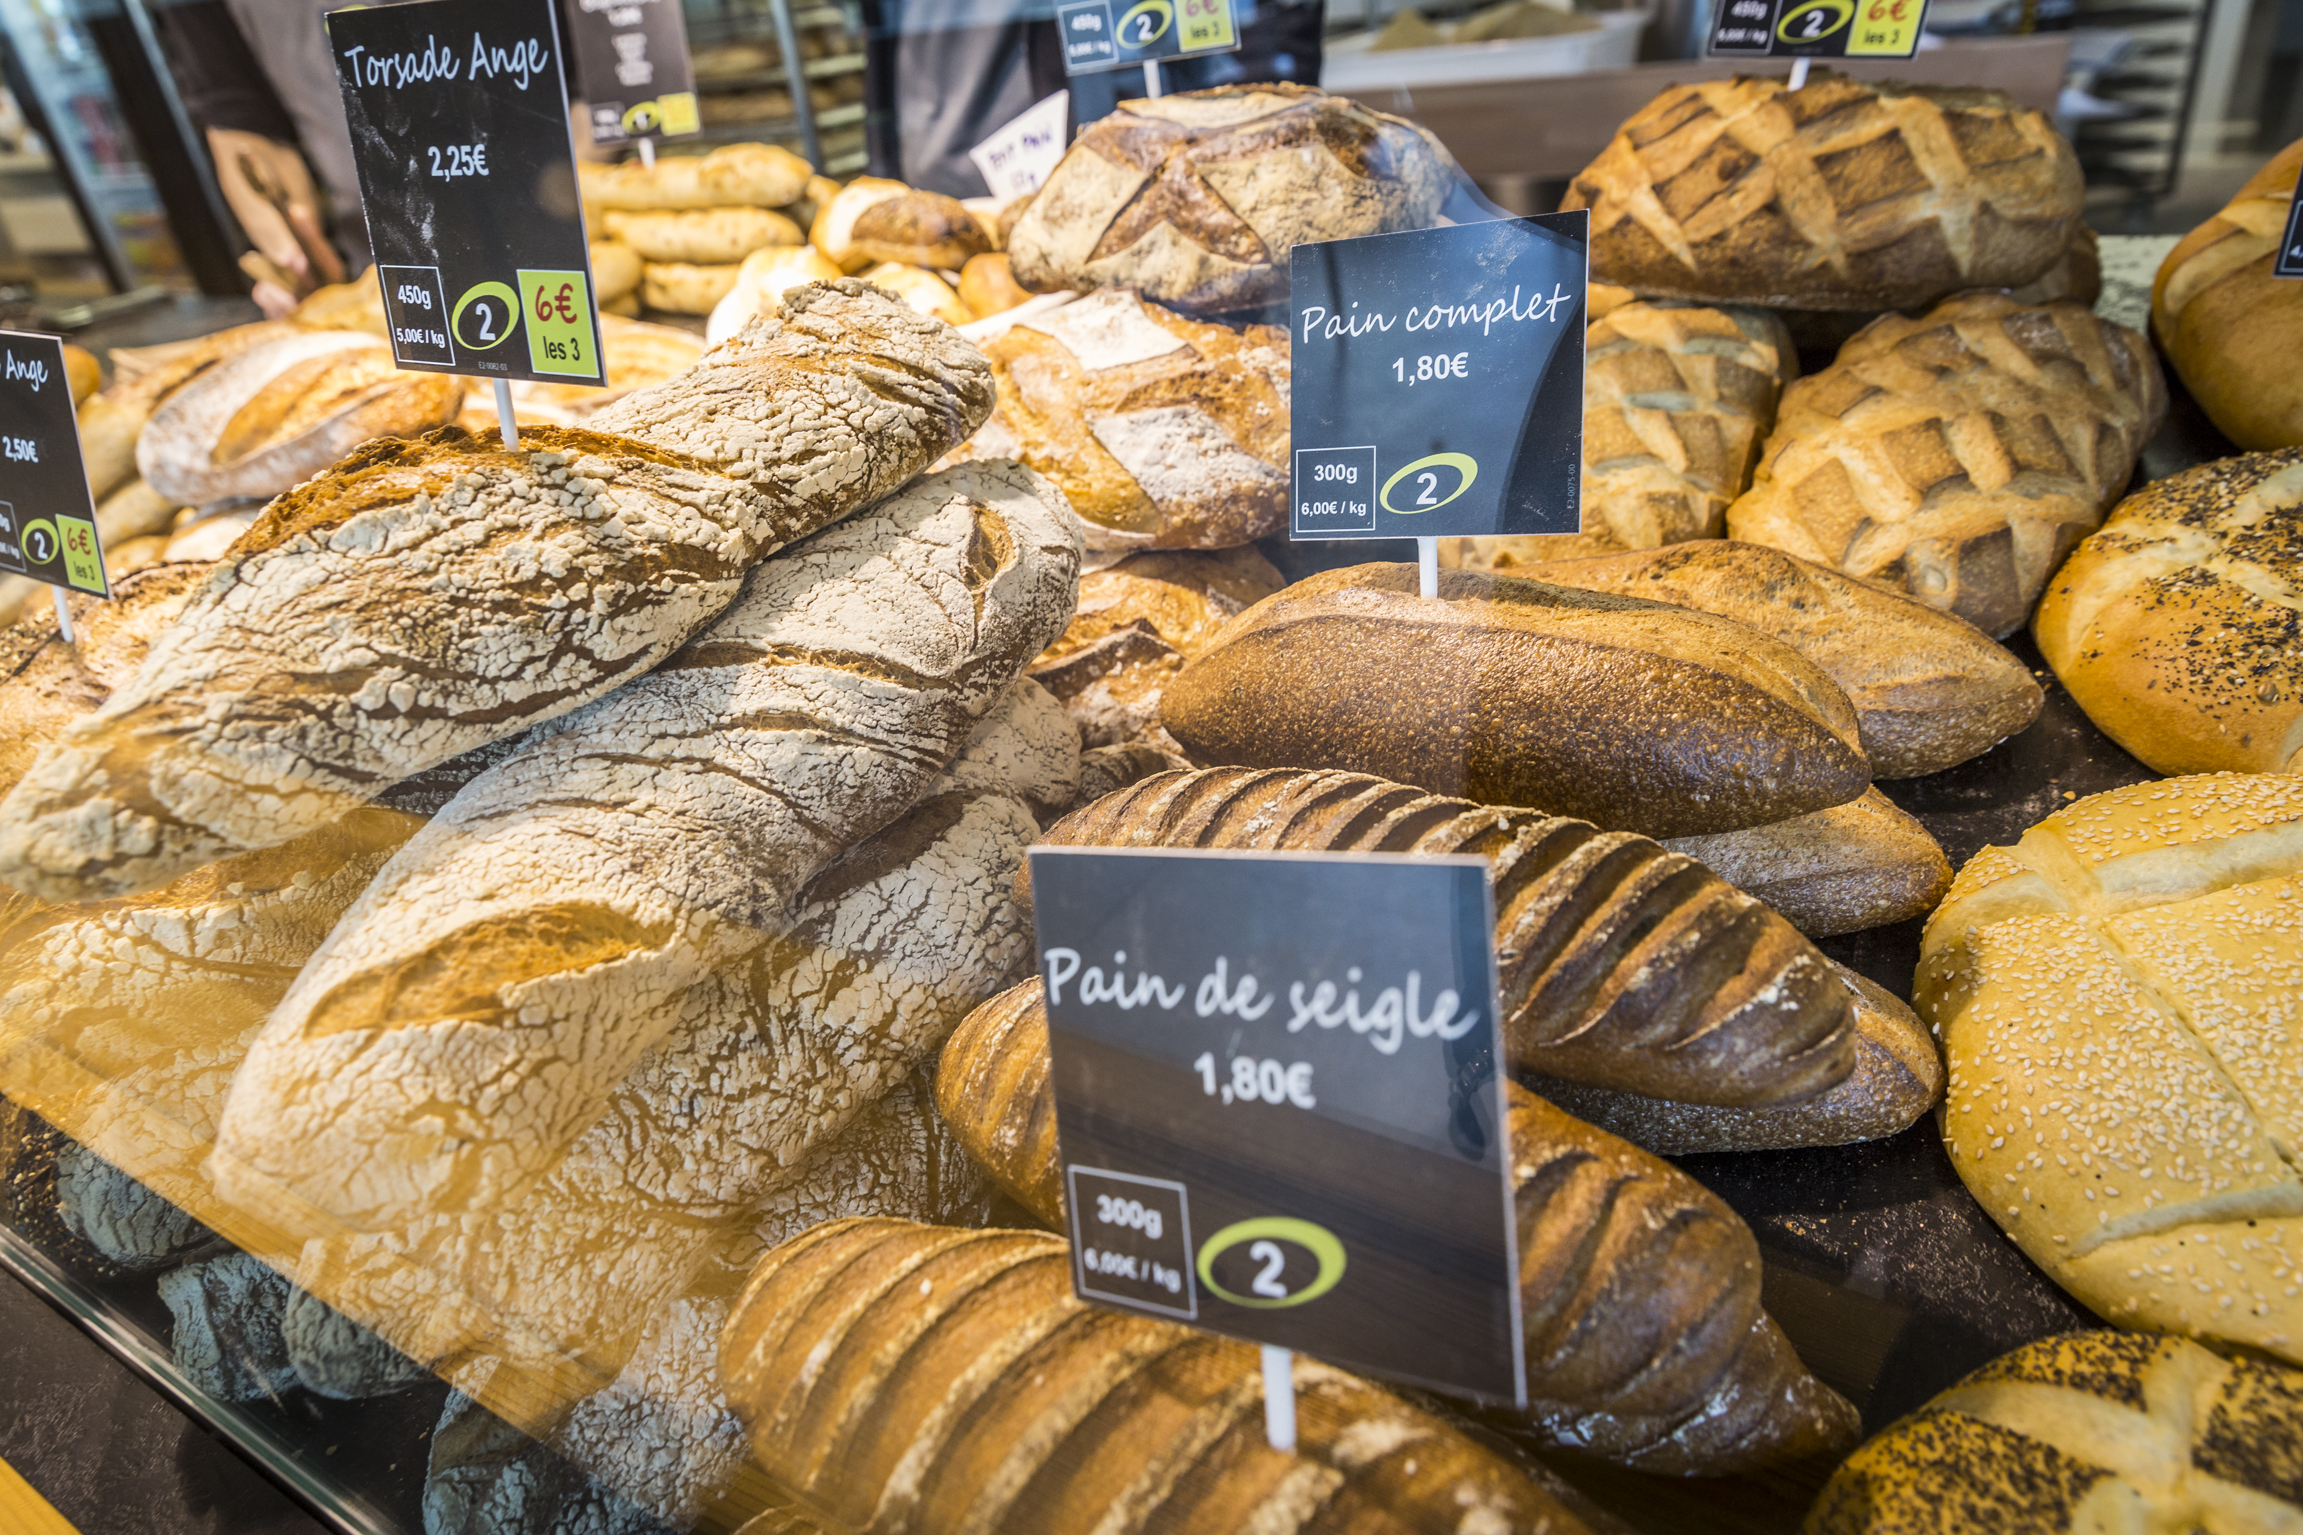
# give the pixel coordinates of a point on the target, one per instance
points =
(1620, 963)
(1959, 455)
(472, 1013)
(914, 1380)
(1843, 195)
(426, 597)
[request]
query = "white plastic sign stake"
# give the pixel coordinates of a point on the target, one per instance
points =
(1279, 1397)
(648, 154)
(507, 424)
(1799, 72)
(1017, 158)
(63, 615)
(1151, 78)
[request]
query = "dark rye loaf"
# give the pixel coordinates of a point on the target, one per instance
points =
(1633, 715)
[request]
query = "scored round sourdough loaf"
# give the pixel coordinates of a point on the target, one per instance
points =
(1162, 432)
(1929, 689)
(2231, 328)
(2116, 997)
(1844, 194)
(1958, 455)
(425, 598)
(1639, 1289)
(2178, 625)
(2079, 1434)
(1196, 199)
(1632, 715)
(1619, 963)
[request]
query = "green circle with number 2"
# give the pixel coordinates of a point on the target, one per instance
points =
(494, 290)
(1321, 1242)
(1792, 30)
(1462, 463)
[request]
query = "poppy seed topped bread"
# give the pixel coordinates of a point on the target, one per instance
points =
(1842, 195)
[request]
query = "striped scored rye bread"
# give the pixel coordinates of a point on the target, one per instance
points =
(426, 597)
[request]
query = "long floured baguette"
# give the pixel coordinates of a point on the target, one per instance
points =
(426, 597)
(476, 1008)
(1639, 1288)
(1621, 964)
(769, 1066)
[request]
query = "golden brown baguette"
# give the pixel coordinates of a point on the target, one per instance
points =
(1898, 1076)
(1862, 864)
(1620, 963)
(1632, 715)
(1639, 1289)
(1929, 689)
(2230, 326)
(917, 1380)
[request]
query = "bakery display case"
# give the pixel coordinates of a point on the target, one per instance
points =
(786, 72)
(517, 986)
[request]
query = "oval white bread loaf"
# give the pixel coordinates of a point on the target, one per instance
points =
(424, 598)
(475, 1010)
(1930, 691)
(2178, 626)
(2116, 995)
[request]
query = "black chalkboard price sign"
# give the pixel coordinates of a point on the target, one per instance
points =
(1110, 34)
(47, 518)
(1817, 29)
(1277, 1102)
(2289, 261)
(460, 134)
(632, 57)
(1438, 381)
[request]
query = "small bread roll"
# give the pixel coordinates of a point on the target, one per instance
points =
(988, 287)
(1898, 1076)
(1862, 864)
(626, 305)
(615, 270)
(679, 287)
(922, 289)
(761, 283)
(833, 230)
(702, 236)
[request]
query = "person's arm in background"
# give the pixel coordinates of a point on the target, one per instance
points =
(258, 166)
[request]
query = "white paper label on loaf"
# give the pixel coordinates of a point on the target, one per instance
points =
(1179, 453)
(1109, 330)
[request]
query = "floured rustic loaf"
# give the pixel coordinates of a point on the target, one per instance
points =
(903, 1377)
(733, 176)
(1929, 690)
(47, 685)
(1162, 431)
(1139, 620)
(280, 413)
(112, 420)
(423, 598)
(1898, 1076)
(1959, 455)
(1618, 962)
(2080, 1433)
(2116, 997)
(1845, 194)
(546, 927)
(1639, 1289)
(1196, 199)
(1629, 714)
(1677, 399)
(2232, 329)
(2178, 625)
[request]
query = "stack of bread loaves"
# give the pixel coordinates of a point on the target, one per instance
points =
(671, 235)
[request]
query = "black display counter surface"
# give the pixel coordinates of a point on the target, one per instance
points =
(1884, 1272)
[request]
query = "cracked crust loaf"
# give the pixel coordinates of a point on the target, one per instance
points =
(1617, 962)
(1844, 194)
(2178, 625)
(1958, 455)
(477, 1007)
(427, 597)
(1629, 714)
(112, 420)
(2089, 1431)
(1929, 690)
(1898, 1076)
(1139, 620)
(1677, 399)
(1196, 199)
(904, 1377)
(2230, 328)
(1163, 432)
(1862, 864)
(2116, 999)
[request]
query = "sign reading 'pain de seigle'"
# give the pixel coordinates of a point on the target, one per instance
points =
(1277, 1102)
(47, 518)
(1438, 381)
(1818, 29)
(468, 178)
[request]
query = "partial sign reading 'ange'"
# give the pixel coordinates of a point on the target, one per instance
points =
(2121, 998)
